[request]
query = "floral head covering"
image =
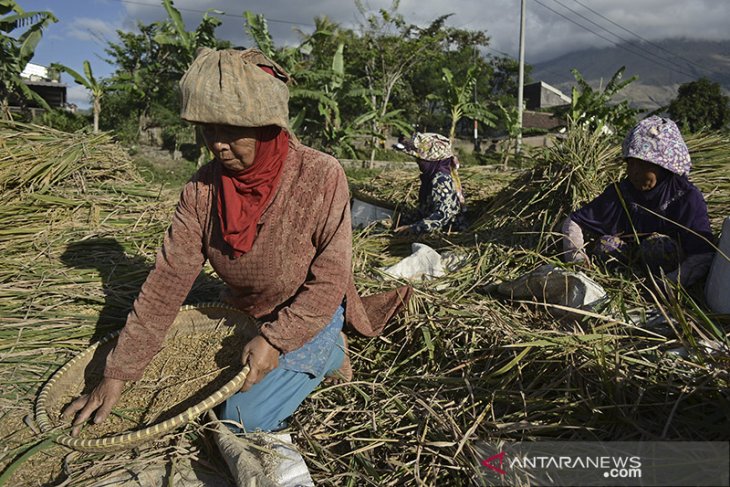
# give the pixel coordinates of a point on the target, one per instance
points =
(428, 146)
(658, 140)
(434, 154)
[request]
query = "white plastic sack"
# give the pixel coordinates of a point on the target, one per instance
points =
(152, 474)
(261, 459)
(290, 470)
(552, 285)
(424, 262)
(717, 287)
(364, 213)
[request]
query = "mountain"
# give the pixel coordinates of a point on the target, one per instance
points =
(661, 66)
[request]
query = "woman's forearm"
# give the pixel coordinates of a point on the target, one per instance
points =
(573, 243)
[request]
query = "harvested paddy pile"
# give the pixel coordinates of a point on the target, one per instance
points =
(464, 367)
(461, 367)
(571, 172)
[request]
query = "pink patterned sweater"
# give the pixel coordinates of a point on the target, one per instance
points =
(293, 279)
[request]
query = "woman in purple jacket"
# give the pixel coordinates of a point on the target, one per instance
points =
(655, 217)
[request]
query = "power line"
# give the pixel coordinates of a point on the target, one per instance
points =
(617, 36)
(644, 39)
(612, 42)
(670, 66)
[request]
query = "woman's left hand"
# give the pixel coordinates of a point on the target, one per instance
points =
(261, 357)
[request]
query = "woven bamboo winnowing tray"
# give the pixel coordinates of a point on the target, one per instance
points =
(88, 365)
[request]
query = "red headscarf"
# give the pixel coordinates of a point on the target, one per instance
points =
(243, 196)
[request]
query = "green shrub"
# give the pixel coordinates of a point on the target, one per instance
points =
(63, 120)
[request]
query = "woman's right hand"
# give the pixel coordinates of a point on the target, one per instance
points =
(261, 357)
(102, 399)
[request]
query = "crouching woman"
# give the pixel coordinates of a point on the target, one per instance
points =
(440, 199)
(655, 218)
(273, 219)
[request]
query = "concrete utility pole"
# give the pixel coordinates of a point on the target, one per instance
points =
(521, 76)
(476, 124)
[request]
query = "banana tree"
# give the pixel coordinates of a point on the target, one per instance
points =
(178, 47)
(334, 137)
(458, 100)
(15, 53)
(179, 43)
(96, 88)
(258, 29)
(381, 121)
(513, 127)
(325, 86)
(593, 107)
(288, 57)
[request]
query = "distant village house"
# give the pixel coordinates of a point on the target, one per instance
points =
(540, 99)
(46, 84)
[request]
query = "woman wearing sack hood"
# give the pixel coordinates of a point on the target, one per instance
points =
(273, 219)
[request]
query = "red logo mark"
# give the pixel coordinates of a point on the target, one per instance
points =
(488, 463)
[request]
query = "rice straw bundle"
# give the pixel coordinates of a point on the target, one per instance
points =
(79, 231)
(568, 174)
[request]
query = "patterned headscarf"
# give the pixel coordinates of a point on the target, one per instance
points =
(428, 146)
(658, 140)
(434, 154)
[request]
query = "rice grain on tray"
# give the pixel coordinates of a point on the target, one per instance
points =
(189, 368)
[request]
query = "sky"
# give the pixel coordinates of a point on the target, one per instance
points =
(553, 27)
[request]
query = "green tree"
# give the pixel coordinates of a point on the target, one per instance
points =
(258, 29)
(335, 137)
(149, 64)
(300, 60)
(15, 53)
(96, 88)
(595, 108)
(319, 88)
(510, 120)
(391, 47)
(504, 78)
(700, 105)
(459, 100)
(351, 89)
(178, 48)
(141, 75)
(180, 45)
(424, 88)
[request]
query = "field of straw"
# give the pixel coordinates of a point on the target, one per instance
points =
(80, 229)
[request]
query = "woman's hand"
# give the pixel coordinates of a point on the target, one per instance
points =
(101, 399)
(579, 258)
(261, 357)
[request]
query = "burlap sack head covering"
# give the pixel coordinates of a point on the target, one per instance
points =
(428, 146)
(228, 87)
(658, 140)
